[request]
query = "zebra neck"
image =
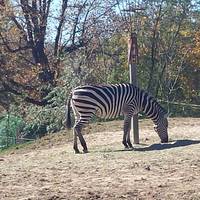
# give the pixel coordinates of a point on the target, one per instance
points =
(151, 108)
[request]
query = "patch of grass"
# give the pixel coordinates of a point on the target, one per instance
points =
(15, 147)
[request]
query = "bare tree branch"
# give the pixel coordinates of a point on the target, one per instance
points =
(153, 47)
(62, 17)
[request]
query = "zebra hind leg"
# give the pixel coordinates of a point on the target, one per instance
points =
(77, 130)
(126, 136)
(75, 142)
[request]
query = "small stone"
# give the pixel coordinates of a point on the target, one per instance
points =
(148, 168)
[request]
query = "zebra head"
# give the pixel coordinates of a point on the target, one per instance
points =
(161, 128)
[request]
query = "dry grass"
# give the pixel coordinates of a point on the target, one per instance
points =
(49, 170)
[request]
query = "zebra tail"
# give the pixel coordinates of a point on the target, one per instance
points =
(68, 116)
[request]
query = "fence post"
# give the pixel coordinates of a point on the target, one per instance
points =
(132, 61)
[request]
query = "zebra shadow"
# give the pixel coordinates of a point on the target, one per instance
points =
(170, 145)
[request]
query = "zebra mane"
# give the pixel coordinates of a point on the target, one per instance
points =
(162, 109)
(159, 107)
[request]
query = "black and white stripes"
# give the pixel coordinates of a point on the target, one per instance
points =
(110, 101)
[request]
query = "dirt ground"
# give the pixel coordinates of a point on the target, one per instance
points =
(48, 169)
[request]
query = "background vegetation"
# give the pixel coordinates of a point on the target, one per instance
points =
(49, 47)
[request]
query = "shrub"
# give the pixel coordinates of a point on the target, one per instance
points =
(10, 127)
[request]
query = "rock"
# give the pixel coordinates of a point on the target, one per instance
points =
(147, 168)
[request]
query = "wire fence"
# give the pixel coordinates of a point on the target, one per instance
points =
(181, 104)
(7, 141)
(15, 138)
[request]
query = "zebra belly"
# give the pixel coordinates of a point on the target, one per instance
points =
(107, 116)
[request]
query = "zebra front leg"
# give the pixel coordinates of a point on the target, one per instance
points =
(124, 141)
(128, 140)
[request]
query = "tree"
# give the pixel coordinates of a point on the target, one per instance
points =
(161, 42)
(36, 47)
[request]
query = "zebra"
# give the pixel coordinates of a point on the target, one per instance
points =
(111, 101)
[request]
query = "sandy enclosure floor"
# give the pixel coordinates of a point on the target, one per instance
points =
(49, 170)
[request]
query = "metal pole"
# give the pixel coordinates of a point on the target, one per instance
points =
(132, 59)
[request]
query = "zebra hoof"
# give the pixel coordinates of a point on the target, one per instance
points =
(85, 151)
(131, 148)
(164, 140)
(77, 152)
(128, 149)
